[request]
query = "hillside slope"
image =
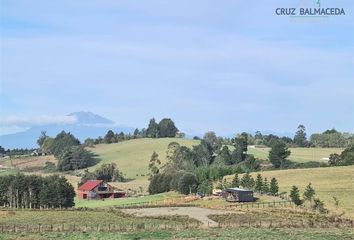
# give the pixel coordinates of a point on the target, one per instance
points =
(328, 182)
(299, 154)
(132, 157)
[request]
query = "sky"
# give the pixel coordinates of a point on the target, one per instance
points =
(221, 65)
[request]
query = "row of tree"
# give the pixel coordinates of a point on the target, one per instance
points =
(259, 184)
(328, 139)
(165, 128)
(21, 191)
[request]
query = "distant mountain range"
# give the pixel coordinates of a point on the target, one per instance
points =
(87, 124)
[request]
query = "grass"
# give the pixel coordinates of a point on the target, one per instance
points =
(239, 233)
(299, 154)
(328, 182)
(126, 201)
(133, 156)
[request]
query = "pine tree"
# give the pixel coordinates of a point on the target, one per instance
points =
(259, 183)
(247, 181)
(236, 181)
(265, 187)
(309, 193)
(274, 188)
(295, 196)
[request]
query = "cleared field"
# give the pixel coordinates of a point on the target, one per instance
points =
(299, 154)
(328, 182)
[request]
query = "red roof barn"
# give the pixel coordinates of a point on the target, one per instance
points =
(97, 189)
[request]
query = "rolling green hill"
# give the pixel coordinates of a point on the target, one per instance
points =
(132, 157)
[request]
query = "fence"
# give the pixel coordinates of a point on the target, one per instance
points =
(132, 227)
(263, 204)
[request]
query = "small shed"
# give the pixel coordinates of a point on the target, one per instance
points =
(238, 195)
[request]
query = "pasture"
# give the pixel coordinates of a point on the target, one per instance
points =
(300, 155)
(328, 182)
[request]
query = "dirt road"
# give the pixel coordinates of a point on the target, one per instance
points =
(200, 214)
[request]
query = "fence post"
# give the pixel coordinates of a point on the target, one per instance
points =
(39, 227)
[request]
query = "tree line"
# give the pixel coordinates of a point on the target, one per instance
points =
(32, 191)
(165, 128)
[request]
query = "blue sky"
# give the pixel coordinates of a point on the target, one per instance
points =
(227, 66)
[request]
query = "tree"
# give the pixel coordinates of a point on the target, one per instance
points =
(300, 136)
(109, 137)
(335, 159)
(247, 181)
(274, 188)
(206, 187)
(154, 164)
(347, 155)
(75, 158)
(203, 154)
(225, 156)
(278, 154)
(259, 183)
(235, 181)
(136, 133)
(212, 140)
(241, 144)
(167, 128)
(63, 142)
(295, 196)
(41, 138)
(47, 145)
(109, 173)
(153, 129)
(309, 193)
(89, 142)
(265, 187)
(188, 183)
(2, 150)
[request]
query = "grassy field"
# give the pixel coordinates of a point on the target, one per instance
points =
(161, 197)
(239, 233)
(133, 156)
(299, 154)
(328, 182)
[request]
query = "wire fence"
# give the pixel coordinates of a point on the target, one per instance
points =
(133, 227)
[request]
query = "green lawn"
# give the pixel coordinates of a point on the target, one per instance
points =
(299, 154)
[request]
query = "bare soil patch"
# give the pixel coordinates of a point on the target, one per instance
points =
(200, 214)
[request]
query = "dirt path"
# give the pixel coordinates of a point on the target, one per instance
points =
(200, 214)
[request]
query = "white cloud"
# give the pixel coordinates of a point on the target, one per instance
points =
(37, 121)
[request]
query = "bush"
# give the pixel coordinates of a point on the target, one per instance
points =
(188, 183)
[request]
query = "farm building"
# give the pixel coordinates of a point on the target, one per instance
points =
(97, 189)
(237, 195)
